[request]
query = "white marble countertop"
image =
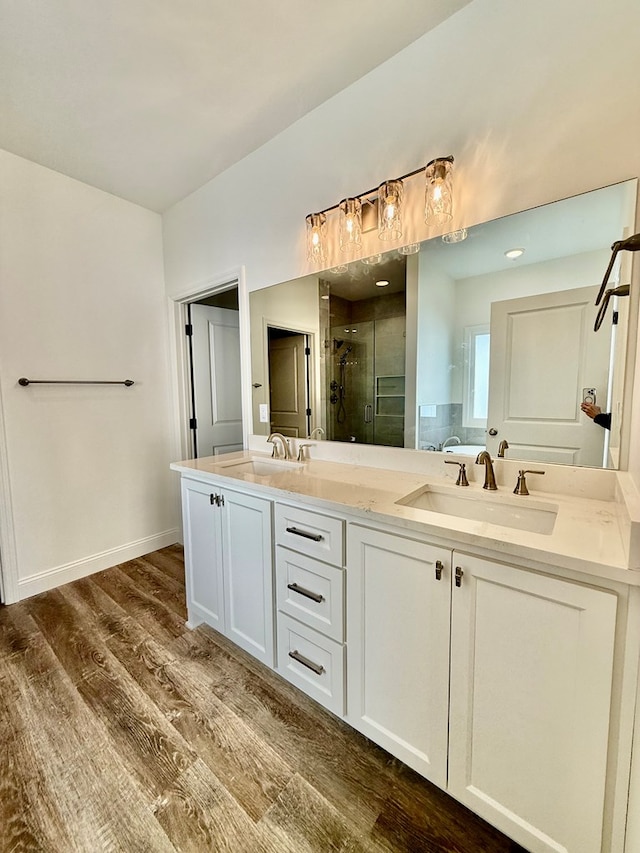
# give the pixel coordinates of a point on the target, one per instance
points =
(589, 536)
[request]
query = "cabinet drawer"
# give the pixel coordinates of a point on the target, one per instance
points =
(310, 533)
(312, 662)
(310, 591)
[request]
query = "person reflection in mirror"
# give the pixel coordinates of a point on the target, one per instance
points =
(599, 417)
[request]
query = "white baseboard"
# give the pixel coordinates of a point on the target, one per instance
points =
(60, 575)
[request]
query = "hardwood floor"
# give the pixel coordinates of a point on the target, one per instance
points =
(121, 730)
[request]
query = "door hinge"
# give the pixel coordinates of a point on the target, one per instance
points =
(308, 413)
(188, 330)
(614, 319)
(307, 350)
(193, 423)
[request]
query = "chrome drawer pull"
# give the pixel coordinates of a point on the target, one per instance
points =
(314, 596)
(315, 536)
(306, 662)
(439, 568)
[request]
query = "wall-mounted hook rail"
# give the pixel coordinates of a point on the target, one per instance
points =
(24, 382)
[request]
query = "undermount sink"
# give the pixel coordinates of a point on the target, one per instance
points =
(522, 513)
(262, 467)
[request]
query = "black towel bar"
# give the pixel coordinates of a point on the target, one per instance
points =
(24, 382)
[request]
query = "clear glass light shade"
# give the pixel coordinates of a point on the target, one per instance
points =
(351, 225)
(409, 249)
(316, 237)
(438, 204)
(390, 210)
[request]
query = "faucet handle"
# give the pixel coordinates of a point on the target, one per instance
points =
(302, 456)
(521, 485)
(462, 475)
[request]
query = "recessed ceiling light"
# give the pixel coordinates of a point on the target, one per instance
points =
(382, 283)
(512, 254)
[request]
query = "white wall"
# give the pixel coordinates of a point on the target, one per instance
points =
(535, 100)
(436, 325)
(81, 297)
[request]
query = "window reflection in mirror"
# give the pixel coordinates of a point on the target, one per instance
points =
(464, 340)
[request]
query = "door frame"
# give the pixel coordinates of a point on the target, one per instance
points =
(8, 554)
(179, 355)
(312, 366)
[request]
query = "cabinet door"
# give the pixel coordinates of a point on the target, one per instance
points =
(248, 574)
(398, 646)
(202, 554)
(531, 669)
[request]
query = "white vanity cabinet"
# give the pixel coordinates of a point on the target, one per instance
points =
(228, 562)
(398, 597)
(504, 673)
(310, 601)
(531, 688)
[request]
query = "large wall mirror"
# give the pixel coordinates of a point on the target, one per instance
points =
(481, 338)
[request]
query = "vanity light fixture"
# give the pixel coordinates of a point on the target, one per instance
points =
(512, 254)
(455, 236)
(372, 260)
(316, 227)
(409, 249)
(438, 197)
(340, 269)
(390, 210)
(351, 225)
(388, 200)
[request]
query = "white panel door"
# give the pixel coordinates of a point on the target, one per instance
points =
(398, 647)
(531, 669)
(202, 554)
(543, 353)
(216, 379)
(248, 574)
(288, 385)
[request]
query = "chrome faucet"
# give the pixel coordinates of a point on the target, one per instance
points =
(314, 431)
(286, 451)
(484, 458)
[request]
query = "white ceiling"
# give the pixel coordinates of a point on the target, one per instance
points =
(150, 99)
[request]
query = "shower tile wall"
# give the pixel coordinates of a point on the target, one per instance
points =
(375, 331)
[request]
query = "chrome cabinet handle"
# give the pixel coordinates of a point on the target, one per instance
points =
(315, 667)
(439, 568)
(368, 413)
(314, 596)
(216, 500)
(459, 574)
(315, 536)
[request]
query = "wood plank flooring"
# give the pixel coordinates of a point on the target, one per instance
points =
(121, 730)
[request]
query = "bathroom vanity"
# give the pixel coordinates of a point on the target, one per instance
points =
(488, 640)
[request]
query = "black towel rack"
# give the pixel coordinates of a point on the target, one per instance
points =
(24, 382)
